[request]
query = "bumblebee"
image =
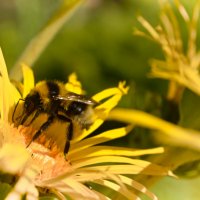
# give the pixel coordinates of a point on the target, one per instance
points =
(52, 98)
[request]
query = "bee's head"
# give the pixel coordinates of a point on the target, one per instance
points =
(77, 108)
(82, 111)
(31, 104)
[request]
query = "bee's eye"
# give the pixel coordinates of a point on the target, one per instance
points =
(76, 108)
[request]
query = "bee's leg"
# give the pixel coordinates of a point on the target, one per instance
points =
(69, 137)
(69, 132)
(13, 115)
(34, 117)
(23, 120)
(42, 128)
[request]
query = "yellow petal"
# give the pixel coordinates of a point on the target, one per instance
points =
(24, 186)
(73, 85)
(131, 169)
(10, 161)
(182, 10)
(114, 95)
(99, 177)
(9, 95)
(79, 190)
(101, 196)
(149, 28)
(116, 187)
(145, 165)
(110, 150)
(100, 138)
(137, 186)
(28, 79)
(121, 90)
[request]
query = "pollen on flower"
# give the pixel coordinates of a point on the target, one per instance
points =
(43, 145)
(10, 134)
(50, 163)
(45, 155)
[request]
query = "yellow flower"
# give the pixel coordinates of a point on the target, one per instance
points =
(180, 65)
(88, 165)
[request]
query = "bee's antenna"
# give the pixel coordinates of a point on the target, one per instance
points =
(16, 109)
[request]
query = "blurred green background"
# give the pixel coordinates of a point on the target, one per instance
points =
(98, 44)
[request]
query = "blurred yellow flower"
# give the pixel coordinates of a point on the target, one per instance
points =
(180, 65)
(88, 165)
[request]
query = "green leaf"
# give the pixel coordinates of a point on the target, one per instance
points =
(44, 37)
(189, 110)
(4, 190)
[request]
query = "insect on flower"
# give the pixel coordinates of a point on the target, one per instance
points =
(53, 99)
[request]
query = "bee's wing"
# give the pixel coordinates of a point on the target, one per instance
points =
(76, 97)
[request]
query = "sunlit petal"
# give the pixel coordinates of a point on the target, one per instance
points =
(100, 138)
(24, 187)
(110, 150)
(8, 93)
(73, 85)
(28, 80)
